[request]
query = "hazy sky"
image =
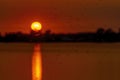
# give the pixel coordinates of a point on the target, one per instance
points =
(59, 15)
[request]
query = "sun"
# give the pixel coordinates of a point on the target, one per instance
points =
(36, 26)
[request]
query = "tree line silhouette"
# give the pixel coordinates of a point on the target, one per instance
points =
(100, 35)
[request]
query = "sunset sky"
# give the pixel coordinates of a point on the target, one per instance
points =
(59, 15)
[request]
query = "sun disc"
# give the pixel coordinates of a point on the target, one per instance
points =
(36, 26)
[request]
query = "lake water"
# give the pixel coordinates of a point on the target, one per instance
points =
(60, 61)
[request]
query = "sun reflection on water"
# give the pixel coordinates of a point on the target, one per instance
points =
(37, 64)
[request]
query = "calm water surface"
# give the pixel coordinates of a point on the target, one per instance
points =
(61, 61)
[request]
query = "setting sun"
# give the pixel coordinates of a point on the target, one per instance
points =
(36, 26)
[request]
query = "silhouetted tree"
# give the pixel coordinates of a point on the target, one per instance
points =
(48, 32)
(100, 31)
(100, 35)
(35, 33)
(47, 36)
(109, 31)
(110, 35)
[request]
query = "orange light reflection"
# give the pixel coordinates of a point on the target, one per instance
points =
(36, 64)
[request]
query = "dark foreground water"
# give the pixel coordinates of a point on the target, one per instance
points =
(61, 61)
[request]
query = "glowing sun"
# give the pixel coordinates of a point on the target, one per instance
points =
(36, 26)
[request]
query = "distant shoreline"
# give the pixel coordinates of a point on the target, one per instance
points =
(100, 36)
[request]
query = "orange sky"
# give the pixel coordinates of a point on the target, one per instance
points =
(59, 15)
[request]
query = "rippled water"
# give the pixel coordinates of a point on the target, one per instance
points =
(61, 61)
